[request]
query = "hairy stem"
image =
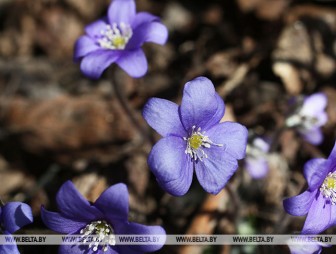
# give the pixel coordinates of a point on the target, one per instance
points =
(121, 97)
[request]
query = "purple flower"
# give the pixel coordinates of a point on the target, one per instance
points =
(310, 117)
(194, 138)
(14, 215)
(256, 158)
(118, 38)
(106, 217)
(319, 200)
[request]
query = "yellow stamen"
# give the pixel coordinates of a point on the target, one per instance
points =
(195, 141)
(330, 182)
(119, 42)
(328, 187)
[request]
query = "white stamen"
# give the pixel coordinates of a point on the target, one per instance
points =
(196, 141)
(102, 235)
(304, 122)
(115, 37)
(328, 187)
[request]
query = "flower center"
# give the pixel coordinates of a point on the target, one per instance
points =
(196, 142)
(115, 36)
(302, 121)
(103, 235)
(328, 187)
(309, 122)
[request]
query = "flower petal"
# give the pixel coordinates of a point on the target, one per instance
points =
(306, 248)
(333, 215)
(83, 46)
(322, 119)
(58, 223)
(131, 228)
(171, 166)
(73, 205)
(215, 171)
(154, 32)
(162, 115)
(133, 62)
(257, 168)
(319, 216)
(313, 136)
(314, 105)
(121, 11)
(233, 137)
(95, 28)
(142, 18)
(95, 63)
(332, 159)
(9, 249)
(15, 215)
(199, 103)
(219, 113)
(299, 205)
(315, 171)
(113, 202)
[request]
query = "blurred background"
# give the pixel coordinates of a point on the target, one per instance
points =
(56, 124)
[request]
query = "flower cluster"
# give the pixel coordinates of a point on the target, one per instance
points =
(194, 138)
(118, 39)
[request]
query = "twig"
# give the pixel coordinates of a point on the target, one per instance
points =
(120, 95)
(234, 198)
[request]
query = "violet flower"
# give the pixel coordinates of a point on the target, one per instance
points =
(13, 216)
(106, 217)
(256, 161)
(319, 200)
(194, 138)
(310, 117)
(118, 39)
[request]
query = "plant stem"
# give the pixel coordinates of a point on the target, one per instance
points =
(121, 97)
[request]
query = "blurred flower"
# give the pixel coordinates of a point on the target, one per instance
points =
(256, 158)
(319, 200)
(194, 138)
(106, 217)
(310, 117)
(118, 38)
(14, 215)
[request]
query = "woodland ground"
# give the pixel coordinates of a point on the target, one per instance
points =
(56, 124)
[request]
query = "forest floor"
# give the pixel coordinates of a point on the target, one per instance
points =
(57, 125)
